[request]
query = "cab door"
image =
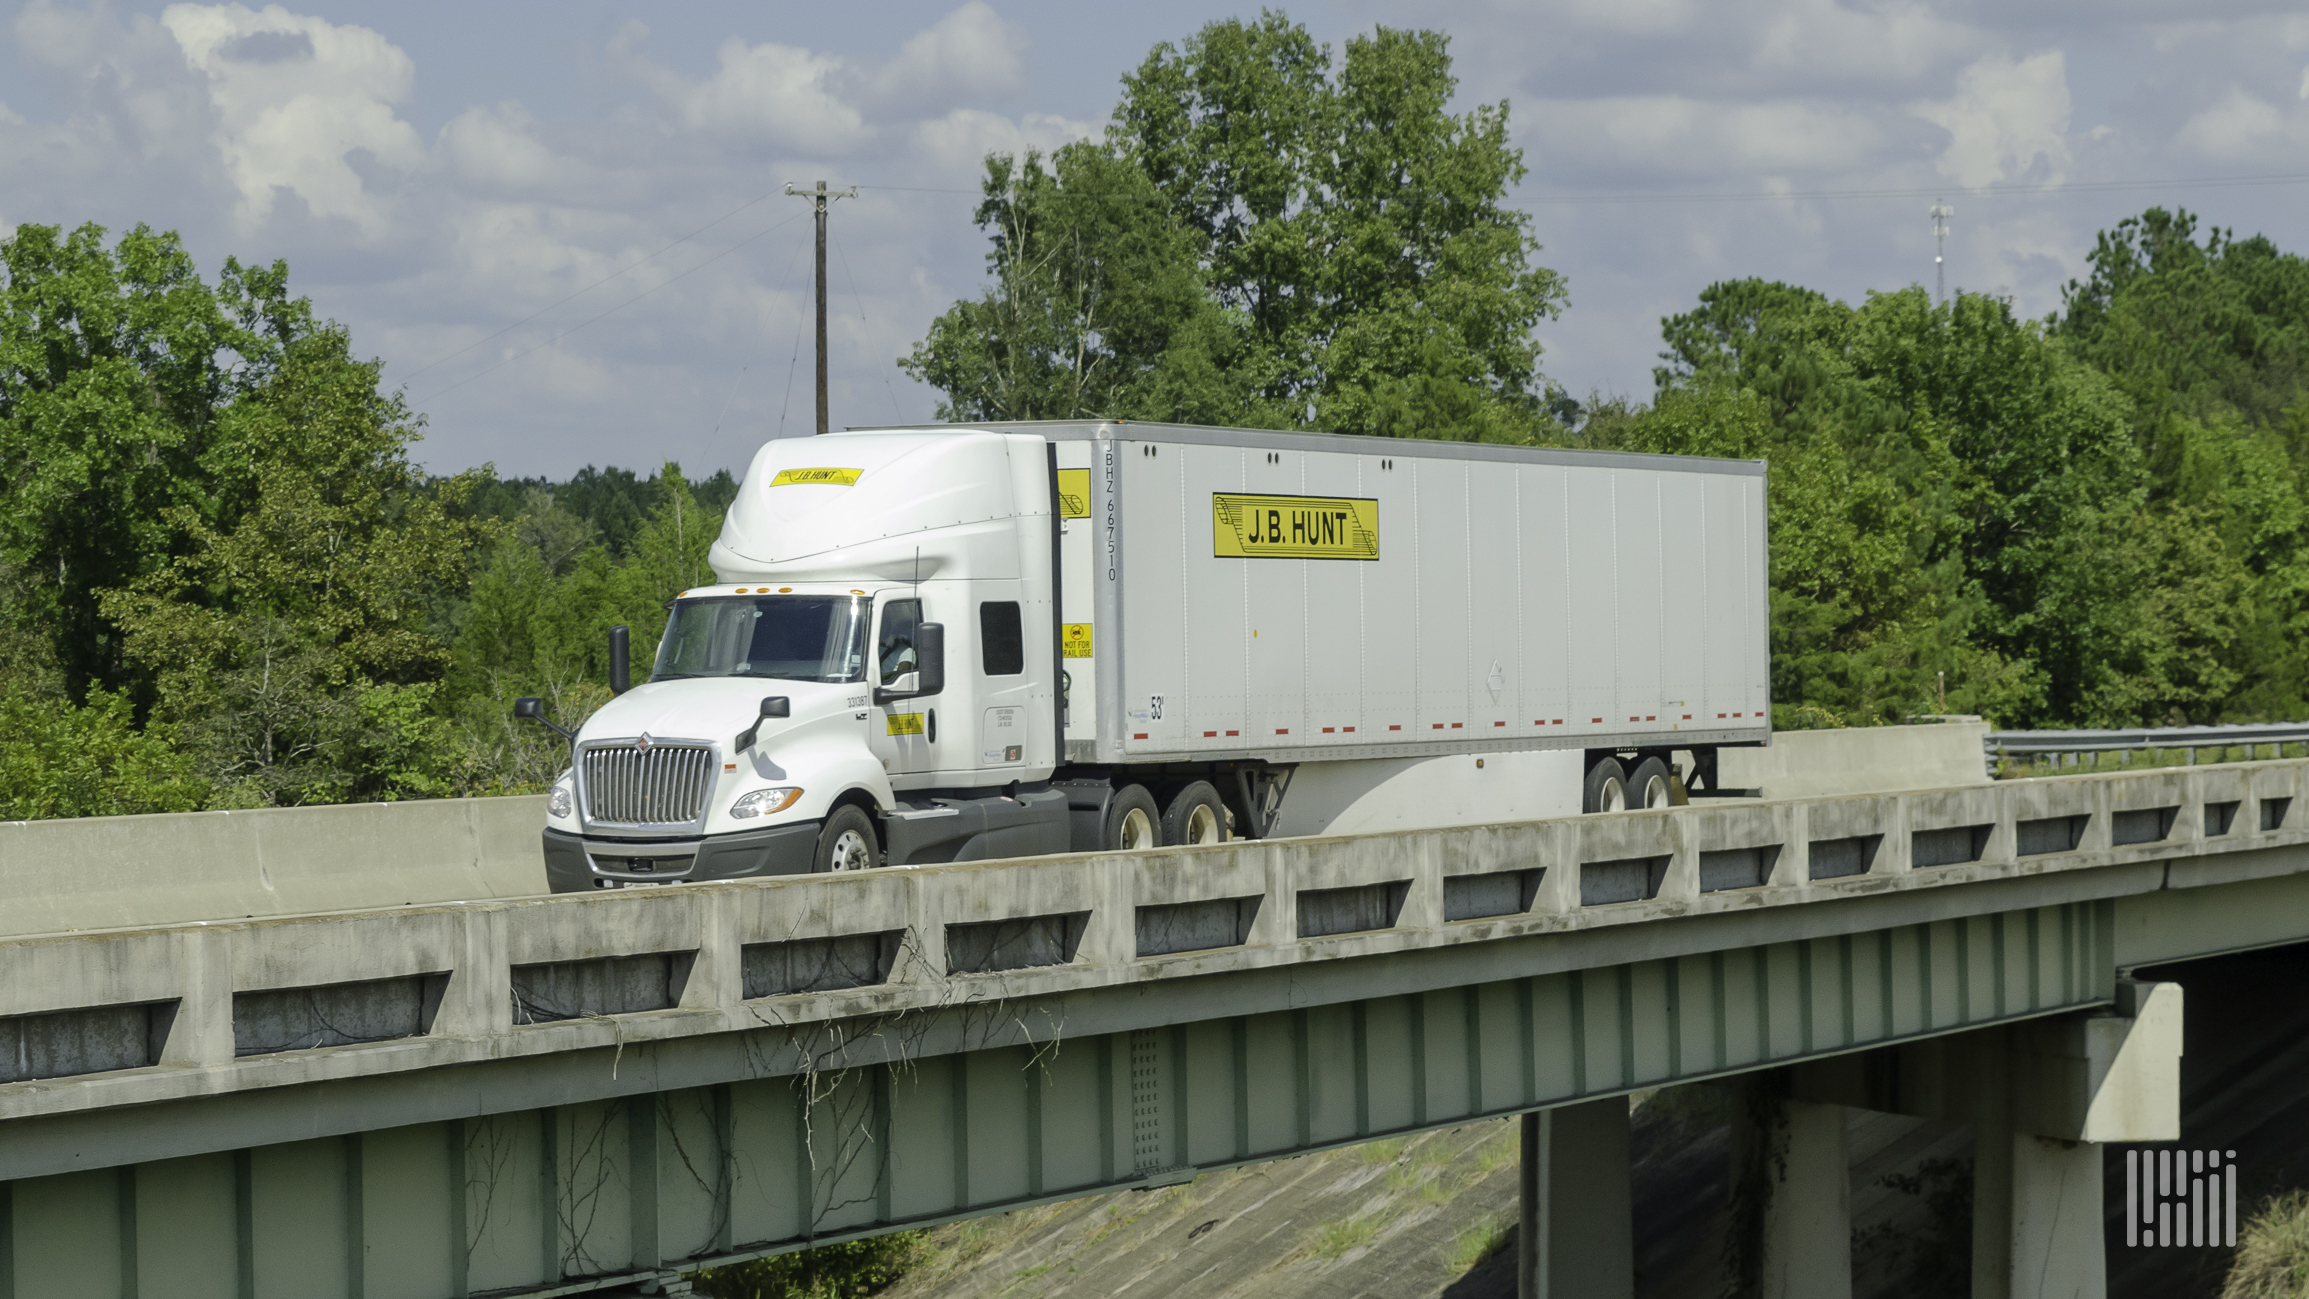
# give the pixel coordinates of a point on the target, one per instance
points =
(900, 729)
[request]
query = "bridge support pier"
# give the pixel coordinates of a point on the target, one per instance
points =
(2036, 1216)
(1577, 1236)
(2042, 1097)
(1807, 1218)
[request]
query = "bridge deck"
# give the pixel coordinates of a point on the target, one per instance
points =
(808, 1057)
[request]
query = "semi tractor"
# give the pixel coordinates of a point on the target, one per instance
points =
(954, 643)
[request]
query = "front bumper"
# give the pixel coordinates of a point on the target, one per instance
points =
(574, 863)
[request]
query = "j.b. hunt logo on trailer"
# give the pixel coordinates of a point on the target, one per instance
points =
(1294, 527)
(2181, 1197)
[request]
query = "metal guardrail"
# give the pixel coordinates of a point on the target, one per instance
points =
(2190, 740)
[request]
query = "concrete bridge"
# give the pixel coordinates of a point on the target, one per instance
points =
(275, 1095)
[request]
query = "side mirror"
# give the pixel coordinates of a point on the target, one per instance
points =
(773, 706)
(929, 674)
(930, 637)
(620, 661)
(531, 708)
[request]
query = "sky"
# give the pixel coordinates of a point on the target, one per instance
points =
(561, 225)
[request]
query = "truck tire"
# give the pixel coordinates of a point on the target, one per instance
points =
(1648, 785)
(1195, 816)
(846, 842)
(1131, 821)
(1606, 789)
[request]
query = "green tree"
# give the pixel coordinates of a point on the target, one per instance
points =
(538, 619)
(1271, 242)
(59, 760)
(271, 636)
(1096, 308)
(116, 366)
(1941, 478)
(2209, 340)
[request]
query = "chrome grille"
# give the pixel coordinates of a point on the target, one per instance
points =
(664, 784)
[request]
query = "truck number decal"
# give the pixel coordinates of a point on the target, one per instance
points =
(1074, 493)
(905, 723)
(1293, 527)
(816, 477)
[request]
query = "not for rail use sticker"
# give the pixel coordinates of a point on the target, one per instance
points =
(816, 478)
(1294, 527)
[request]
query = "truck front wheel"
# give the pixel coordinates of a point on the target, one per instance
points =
(846, 842)
(1131, 821)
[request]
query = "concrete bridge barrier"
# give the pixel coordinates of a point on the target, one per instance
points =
(117, 872)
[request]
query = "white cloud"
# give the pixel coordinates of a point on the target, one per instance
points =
(778, 94)
(295, 95)
(2243, 128)
(1692, 136)
(496, 148)
(1895, 43)
(971, 53)
(2007, 121)
(958, 142)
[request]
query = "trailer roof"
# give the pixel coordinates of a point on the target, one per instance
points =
(1080, 430)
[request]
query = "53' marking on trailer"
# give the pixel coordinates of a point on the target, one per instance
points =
(1294, 527)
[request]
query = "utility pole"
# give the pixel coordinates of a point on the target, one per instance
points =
(1940, 214)
(821, 198)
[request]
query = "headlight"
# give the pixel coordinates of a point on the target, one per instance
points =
(558, 803)
(765, 802)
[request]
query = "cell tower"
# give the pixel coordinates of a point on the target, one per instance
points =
(1940, 214)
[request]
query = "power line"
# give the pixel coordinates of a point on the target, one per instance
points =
(861, 302)
(731, 395)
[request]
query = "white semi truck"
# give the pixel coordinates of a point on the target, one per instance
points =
(956, 643)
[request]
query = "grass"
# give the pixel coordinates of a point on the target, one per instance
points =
(2272, 1252)
(1383, 1152)
(1336, 1238)
(1476, 1244)
(1499, 1152)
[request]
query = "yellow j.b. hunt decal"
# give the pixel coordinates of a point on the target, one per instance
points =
(905, 723)
(1074, 493)
(816, 477)
(1294, 527)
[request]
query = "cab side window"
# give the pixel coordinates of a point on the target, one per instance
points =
(1001, 641)
(894, 652)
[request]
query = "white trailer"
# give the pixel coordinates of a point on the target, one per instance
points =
(1042, 637)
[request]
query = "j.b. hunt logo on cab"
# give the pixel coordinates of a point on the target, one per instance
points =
(1294, 527)
(2181, 1197)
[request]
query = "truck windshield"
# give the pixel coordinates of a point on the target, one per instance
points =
(789, 637)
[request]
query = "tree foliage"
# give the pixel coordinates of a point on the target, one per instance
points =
(2094, 520)
(1263, 239)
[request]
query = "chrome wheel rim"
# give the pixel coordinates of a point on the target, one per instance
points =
(1202, 825)
(1137, 830)
(852, 852)
(1656, 792)
(1614, 797)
